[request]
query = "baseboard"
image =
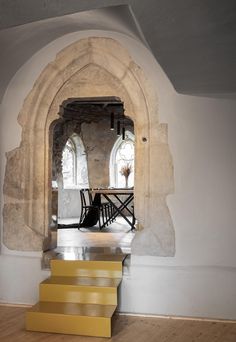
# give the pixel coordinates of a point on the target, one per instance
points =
(15, 305)
(186, 318)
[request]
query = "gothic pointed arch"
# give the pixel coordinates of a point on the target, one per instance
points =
(98, 67)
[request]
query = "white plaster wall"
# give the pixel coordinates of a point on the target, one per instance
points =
(19, 279)
(69, 204)
(194, 291)
(201, 279)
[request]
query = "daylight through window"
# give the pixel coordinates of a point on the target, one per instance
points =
(122, 156)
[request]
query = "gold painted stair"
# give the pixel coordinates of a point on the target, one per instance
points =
(79, 298)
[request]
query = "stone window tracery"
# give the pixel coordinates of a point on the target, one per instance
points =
(69, 165)
(122, 155)
(74, 164)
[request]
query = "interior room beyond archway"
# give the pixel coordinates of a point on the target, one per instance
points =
(101, 67)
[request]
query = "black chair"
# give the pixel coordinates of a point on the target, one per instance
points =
(90, 212)
(106, 209)
(93, 210)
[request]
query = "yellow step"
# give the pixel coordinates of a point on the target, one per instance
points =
(80, 290)
(105, 257)
(83, 281)
(71, 318)
(86, 268)
(79, 298)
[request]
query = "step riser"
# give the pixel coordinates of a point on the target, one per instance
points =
(88, 273)
(78, 294)
(79, 298)
(83, 281)
(68, 324)
(99, 269)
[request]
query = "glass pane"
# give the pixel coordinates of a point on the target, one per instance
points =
(68, 165)
(125, 164)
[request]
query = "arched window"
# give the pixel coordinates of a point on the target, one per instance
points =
(69, 166)
(74, 164)
(122, 156)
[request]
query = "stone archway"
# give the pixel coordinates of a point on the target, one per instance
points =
(89, 67)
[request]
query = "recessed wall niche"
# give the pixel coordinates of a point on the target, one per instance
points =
(89, 67)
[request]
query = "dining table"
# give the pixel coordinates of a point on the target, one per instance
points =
(120, 200)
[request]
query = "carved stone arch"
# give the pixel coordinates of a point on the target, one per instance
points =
(90, 67)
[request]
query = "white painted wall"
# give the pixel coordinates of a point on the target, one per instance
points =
(19, 278)
(194, 291)
(201, 279)
(69, 204)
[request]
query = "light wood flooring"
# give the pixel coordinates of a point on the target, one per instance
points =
(125, 329)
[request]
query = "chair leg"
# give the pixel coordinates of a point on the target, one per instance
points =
(107, 214)
(112, 213)
(133, 219)
(99, 220)
(103, 215)
(81, 218)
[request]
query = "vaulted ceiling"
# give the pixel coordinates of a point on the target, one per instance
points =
(194, 41)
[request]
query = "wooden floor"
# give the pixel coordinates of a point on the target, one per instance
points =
(125, 329)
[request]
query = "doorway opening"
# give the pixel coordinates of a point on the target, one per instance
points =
(103, 67)
(93, 148)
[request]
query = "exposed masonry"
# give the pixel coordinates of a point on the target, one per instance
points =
(89, 67)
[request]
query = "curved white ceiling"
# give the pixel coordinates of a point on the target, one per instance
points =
(194, 41)
(21, 42)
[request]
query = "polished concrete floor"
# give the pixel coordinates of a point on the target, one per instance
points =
(116, 235)
(111, 243)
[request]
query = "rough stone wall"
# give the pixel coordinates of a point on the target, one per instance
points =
(98, 141)
(90, 67)
(14, 190)
(61, 133)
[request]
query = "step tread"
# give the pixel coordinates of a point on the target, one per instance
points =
(93, 257)
(86, 268)
(89, 263)
(88, 310)
(70, 318)
(82, 281)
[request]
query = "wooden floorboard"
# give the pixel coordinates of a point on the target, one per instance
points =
(125, 329)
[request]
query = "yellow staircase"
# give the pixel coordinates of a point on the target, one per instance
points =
(79, 298)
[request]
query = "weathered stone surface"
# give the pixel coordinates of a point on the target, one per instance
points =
(14, 186)
(89, 67)
(99, 141)
(17, 235)
(158, 235)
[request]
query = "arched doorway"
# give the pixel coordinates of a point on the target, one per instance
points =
(102, 67)
(97, 124)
